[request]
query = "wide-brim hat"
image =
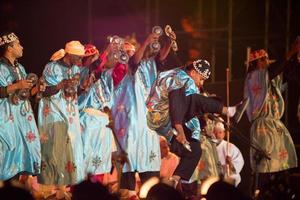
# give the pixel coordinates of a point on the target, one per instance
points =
(75, 48)
(261, 53)
(255, 55)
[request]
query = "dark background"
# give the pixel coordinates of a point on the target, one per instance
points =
(45, 26)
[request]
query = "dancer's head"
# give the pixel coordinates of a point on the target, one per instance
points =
(71, 55)
(91, 54)
(258, 59)
(10, 46)
(199, 71)
(129, 48)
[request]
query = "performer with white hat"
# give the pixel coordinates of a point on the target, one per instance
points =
(233, 158)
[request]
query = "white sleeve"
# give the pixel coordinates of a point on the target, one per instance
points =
(237, 158)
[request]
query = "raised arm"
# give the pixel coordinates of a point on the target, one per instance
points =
(165, 50)
(139, 54)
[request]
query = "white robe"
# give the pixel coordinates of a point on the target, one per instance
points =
(236, 156)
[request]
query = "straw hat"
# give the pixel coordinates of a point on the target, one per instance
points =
(73, 47)
(255, 55)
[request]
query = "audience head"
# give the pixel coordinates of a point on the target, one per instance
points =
(225, 191)
(162, 191)
(92, 191)
(9, 190)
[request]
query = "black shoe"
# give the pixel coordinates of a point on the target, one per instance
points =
(240, 109)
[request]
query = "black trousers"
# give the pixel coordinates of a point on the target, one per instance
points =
(183, 108)
(198, 105)
(188, 160)
(128, 179)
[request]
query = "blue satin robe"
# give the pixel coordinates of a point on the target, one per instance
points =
(158, 102)
(60, 133)
(129, 112)
(98, 141)
(19, 137)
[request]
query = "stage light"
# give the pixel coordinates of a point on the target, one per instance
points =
(147, 186)
(207, 183)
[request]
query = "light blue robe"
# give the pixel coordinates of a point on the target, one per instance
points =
(19, 137)
(98, 141)
(129, 112)
(158, 102)
(60, 133)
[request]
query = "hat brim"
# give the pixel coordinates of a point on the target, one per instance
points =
(73, 54)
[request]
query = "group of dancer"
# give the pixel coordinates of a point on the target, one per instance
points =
(95, 111)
